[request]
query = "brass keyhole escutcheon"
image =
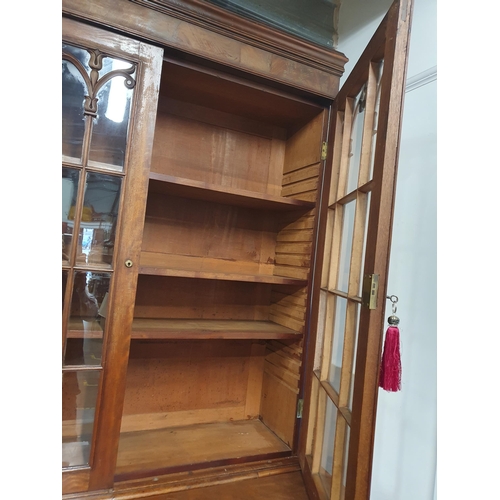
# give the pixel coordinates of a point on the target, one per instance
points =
(128, 263)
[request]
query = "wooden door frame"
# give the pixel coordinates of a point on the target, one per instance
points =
(109, 405)
(390, 42)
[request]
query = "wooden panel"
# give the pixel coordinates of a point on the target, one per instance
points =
(159, 449)
(175, 376)
(202, 152)
(163, 297)
(281, 387)
(278, 406)
(162, 420)
(304, 148)
(201, 229)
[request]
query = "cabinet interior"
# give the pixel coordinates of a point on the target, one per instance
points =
(220, 310)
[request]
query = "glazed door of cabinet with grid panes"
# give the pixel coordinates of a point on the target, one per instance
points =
(356, 212)
(106, 145)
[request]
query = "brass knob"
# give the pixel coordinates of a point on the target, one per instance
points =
(128, 263)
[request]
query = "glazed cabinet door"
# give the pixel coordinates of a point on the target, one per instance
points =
(109, 96)
(347, 324)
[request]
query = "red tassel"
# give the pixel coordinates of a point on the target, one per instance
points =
(390, 369)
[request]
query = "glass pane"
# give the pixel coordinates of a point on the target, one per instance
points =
(74, 91)
(346, 246)
(356, 141)
(376, 116)
(338, 343)
(367, 218)
(97, 228)
(326, 467)
(70, 178)
(353, 371)
(321, 330)
(87, 318)
(109, 133)
(79, 396)
(64, 283)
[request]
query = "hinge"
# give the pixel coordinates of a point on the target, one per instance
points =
(370, 291)
(300, 407)
(324, 147)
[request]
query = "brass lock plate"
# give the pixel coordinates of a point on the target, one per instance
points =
(370, 291)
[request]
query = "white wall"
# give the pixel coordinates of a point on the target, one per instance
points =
(404, 465)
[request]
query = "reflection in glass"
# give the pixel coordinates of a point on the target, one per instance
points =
(338, 343)
(79, 396)
(358, 119)
(346, 246)
(318, 352)
(380, 71)
(326, 467)
(311, 20)
(87, 318)
(365, 235)
(70, 178)
(74, 90)
(109, 134)
(97, 227)
(64, 283)
(353, 371)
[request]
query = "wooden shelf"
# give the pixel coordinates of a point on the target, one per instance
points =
(209, 329)
(185, 266)
(175, 186)
(249, 278)
(196, 446)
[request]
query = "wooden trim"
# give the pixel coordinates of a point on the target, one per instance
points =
(252, 32)
(199, 466)
(75, 480)
(191, 34)
(139, 489)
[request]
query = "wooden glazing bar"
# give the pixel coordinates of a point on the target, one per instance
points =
(319, 428)
(332, 393)
(347, 198)
(313, 417)
(338, 458)
(345, 412)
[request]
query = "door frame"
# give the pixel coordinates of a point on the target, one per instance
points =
(390, 43)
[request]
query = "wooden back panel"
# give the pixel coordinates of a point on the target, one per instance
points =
(172, 383)
(188, 298)
(200, 144)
